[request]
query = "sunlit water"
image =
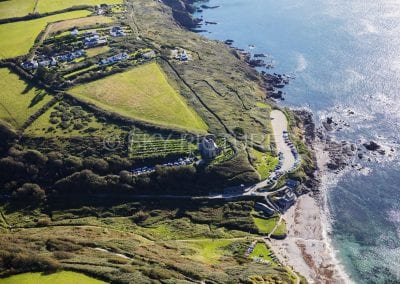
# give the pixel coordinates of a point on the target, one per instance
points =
(345, 56)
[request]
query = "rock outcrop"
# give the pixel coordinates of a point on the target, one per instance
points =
(181, 11)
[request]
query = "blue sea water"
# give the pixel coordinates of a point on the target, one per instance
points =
(345, 55)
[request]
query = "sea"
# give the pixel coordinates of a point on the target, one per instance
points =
(344, 56)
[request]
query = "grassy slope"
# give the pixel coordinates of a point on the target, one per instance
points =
(16, 8)
(209, 250)
(19, 37)
(265, 163)
(63, 277)
(142, 93)
(215, 254)
(265, 226)
(236, 83)
(55, 5)
(261, 250)
(18, 101)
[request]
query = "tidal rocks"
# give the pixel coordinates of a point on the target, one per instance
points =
(256, 63)
(372, 146)
(259, 55)
(209, 7)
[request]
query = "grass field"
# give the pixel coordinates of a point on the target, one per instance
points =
(16, 8)
(79, 23)
(63, 277)
(264, 163)
(261, 250)
(209, 250)
(265, 226)
(142, 93)
(18, 38)
(18, 101)
(55, 5)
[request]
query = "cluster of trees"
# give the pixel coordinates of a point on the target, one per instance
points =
(30, 175)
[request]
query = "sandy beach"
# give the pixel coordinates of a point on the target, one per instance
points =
(307, 248)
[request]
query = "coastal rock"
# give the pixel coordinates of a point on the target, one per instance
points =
(181, 11)
(372, 146)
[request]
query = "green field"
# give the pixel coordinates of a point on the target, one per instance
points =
(55, 5)
(265, 163)
(19, 37)
(16, 8)
(209, 250)
(262, 251)
(63, 277)
(18, 101)
(142, 93)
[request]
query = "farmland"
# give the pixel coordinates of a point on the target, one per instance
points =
(21, 35)
(55, 5)
(78, 23)
(16, 8)
(63, 277)
(142, 93)
(18, 100)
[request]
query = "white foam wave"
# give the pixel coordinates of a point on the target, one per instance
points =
(302, 63)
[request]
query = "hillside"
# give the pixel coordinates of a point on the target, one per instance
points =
(135, 151)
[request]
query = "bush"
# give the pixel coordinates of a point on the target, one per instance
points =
(34, 157)
(62, 255)
(30, 191)
(43, 222)
(96, 164)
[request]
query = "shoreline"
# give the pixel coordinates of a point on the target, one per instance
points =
(307, 248)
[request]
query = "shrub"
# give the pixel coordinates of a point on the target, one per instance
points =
(96, 164)
(43, 222)
(30, 191)
(62, 255)
(34, 157)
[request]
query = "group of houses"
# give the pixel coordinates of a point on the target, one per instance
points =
(93, 39)
(52, 61)
(90, 39)
(42, 62)
(117, 32)
(114, 59)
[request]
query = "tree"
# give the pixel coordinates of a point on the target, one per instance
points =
(96, 164)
